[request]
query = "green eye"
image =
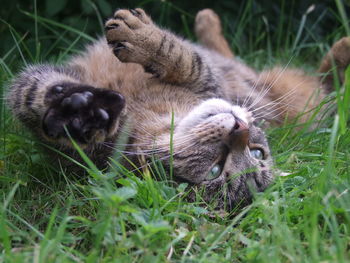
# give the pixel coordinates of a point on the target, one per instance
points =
(214, 172)
(257, 154)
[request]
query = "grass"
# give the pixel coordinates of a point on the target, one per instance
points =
(48, 215)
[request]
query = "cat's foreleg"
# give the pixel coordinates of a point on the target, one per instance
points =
(53, 102)
(135, 38)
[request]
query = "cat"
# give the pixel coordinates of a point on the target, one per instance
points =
(195, 107)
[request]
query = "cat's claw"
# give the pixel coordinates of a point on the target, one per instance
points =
(133, 17)
(128, 34)
(82, 112)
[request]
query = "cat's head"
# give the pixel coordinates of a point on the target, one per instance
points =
(218, 148)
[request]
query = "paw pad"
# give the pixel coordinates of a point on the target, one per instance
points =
(84, 111)
(77, 100)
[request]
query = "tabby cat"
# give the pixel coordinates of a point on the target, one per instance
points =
(166, 89)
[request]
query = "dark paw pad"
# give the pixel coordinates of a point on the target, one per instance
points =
(87, 113)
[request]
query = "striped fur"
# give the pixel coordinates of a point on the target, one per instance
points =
(155, 76)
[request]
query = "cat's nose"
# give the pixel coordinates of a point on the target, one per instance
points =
(240, 126)
(239, 135)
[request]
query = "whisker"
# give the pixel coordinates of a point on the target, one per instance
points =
(258, 97)
(278, 114)
(162, 147)
(265, 114)
(264, 92)
(164, 157)
(285, 96)
(246, 100)
(276, 101)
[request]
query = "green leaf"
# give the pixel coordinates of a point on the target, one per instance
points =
(155, 227)
(345, 102)
(123, 194)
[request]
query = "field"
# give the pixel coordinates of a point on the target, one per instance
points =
(50, 215)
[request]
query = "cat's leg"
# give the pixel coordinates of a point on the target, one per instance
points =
(209, 32)
(297, 93)
(52, 100)
(338, 58)
(135, 38)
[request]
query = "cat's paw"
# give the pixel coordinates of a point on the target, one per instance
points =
(88, 114)
(340, 55)
(207, 20)
(132, 35)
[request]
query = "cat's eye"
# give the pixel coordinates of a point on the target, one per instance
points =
(257, 154)
(214, 172)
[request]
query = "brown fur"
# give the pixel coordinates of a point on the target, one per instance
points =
(159, 76)
(336, 59)
(208, 31)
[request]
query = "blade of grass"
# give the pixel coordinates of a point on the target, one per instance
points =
(343, 16)
(59, 25)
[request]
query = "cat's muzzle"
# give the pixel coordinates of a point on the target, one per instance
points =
(239, 135)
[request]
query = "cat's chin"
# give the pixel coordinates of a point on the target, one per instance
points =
(231, 194)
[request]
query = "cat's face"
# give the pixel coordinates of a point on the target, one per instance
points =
(217, 147)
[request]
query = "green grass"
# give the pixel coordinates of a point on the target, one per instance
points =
(48, 215)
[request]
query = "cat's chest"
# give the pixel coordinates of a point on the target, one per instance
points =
(160, 99)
